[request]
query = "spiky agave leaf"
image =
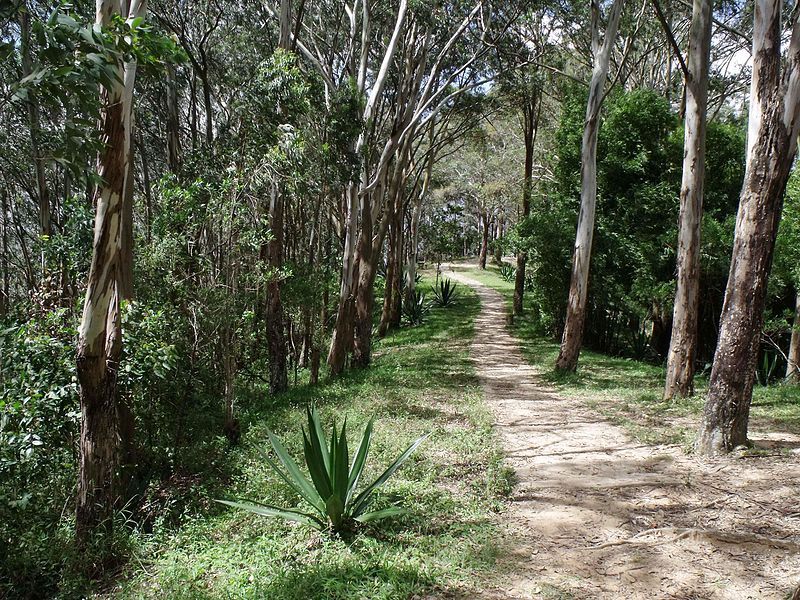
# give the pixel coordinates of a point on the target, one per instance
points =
(361, 503)
(267, 510)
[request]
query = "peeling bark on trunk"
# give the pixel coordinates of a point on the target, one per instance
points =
(774, 122)
(342, 339)
(793, 362)
(683, 341)
(572, 338)
(100, 340)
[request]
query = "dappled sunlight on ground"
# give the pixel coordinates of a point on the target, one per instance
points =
(597, 515)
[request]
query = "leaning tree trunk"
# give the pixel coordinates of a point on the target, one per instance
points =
(793, 357)
(572, 338)
(100, 337)
(530, 125)
(774, 123)
(683, 342)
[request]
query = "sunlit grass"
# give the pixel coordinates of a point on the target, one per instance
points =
(421, 381)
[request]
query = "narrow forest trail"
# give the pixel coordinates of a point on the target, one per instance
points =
(597, 515)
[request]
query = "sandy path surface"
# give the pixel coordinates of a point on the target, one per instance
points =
(597, 515)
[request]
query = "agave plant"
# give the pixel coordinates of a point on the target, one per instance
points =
(415, 308)
(334, 503)
(507, 271)
(445, 292)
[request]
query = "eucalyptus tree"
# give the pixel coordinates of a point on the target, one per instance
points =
(683, 341)
(579, 282)
(407, 63)
(773, 126)
(100, 333)
(196, 27)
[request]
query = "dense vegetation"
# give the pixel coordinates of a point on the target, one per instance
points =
(213, 214)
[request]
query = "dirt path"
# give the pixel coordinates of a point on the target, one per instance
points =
(596, 515)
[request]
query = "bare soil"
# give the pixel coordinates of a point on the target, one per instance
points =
(597, 515)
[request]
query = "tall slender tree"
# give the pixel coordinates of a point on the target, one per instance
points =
(100, 334)
(683, 342)
(579, 282)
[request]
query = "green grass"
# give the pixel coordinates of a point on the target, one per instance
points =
(628, 392)
(421, 381)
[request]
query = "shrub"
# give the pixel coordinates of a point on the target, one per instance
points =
(507, 271)
(331, 493)
(415, 308)
(445, 292)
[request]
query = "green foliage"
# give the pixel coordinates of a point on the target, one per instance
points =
(74, 58)
(633, 253)
(332, 492)
(415, 308)
(445, 292)
(507, 271)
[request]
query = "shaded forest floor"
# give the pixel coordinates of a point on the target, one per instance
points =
(605, 511)
(421, 380)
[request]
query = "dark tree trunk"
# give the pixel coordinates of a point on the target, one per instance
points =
(484, 240)
(530, 116)
(173, 126)
(793, 356)
(276, 336)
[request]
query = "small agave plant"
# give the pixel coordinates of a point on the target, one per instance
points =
(415, 308)
(331, 494)
(507, 271)
(445, 292)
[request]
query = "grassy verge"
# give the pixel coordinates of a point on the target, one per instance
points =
(421, 381)
(628, 392)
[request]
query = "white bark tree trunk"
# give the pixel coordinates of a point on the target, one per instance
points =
(100, 341)
(342, 333)
(579, 282)
(774, 123)
(683, 342)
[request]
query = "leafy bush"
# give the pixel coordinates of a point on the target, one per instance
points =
(507, 271)
(331, 493)
(445, 292)
(415, 308)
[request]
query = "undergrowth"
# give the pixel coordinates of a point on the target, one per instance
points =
(421, 381)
